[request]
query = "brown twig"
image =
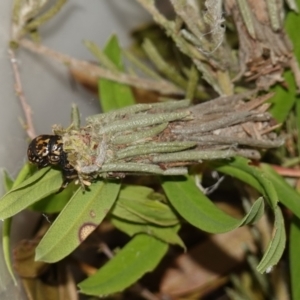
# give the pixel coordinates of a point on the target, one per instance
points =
(19, 91)
(162, 86)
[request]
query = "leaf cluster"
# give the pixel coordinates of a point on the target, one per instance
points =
(152, 219)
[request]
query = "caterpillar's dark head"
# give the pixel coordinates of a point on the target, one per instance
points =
(45, 150)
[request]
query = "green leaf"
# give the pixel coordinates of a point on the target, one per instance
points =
(232, 168)
(41, 184)
(121, 212)
(114, 95)
(294, 257)
(9, 184)
(137, 200)
(83, 213)
(139, 256)
(286, 194)
(198, 210)
(274, 188)
(6, 227)
(26, 171)
(239, 167)
(276, 246)
(297, 115)
(56, 202)
(166, 234)
(292, 23)
(8, 181)
(285, 98)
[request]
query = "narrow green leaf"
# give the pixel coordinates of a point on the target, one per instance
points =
(137, 200)
(141, 255)
(284, 99)
(114, 95)
(28, 180)
(198, 210)
(274, 188)
(251, 175)
(297, 113)
(6, 227)
(286, 194)
(8, 181)
(83, 213)
(232, 169)
(166, 234)
(294, 257)
(36, 187)
(9, 184)
(119, 211)
(56, 202)
(240, 169)
(163, 216)
(276, 247)
(255, 213)
(292, 23)
(26, 171)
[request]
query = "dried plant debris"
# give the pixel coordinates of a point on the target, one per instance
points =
(265, 50)
(198, 30)
(264, 47)
(206, 25)
(164, 138)
(28, 16)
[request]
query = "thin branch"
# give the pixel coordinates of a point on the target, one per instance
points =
(161, 86)
(19, 91)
